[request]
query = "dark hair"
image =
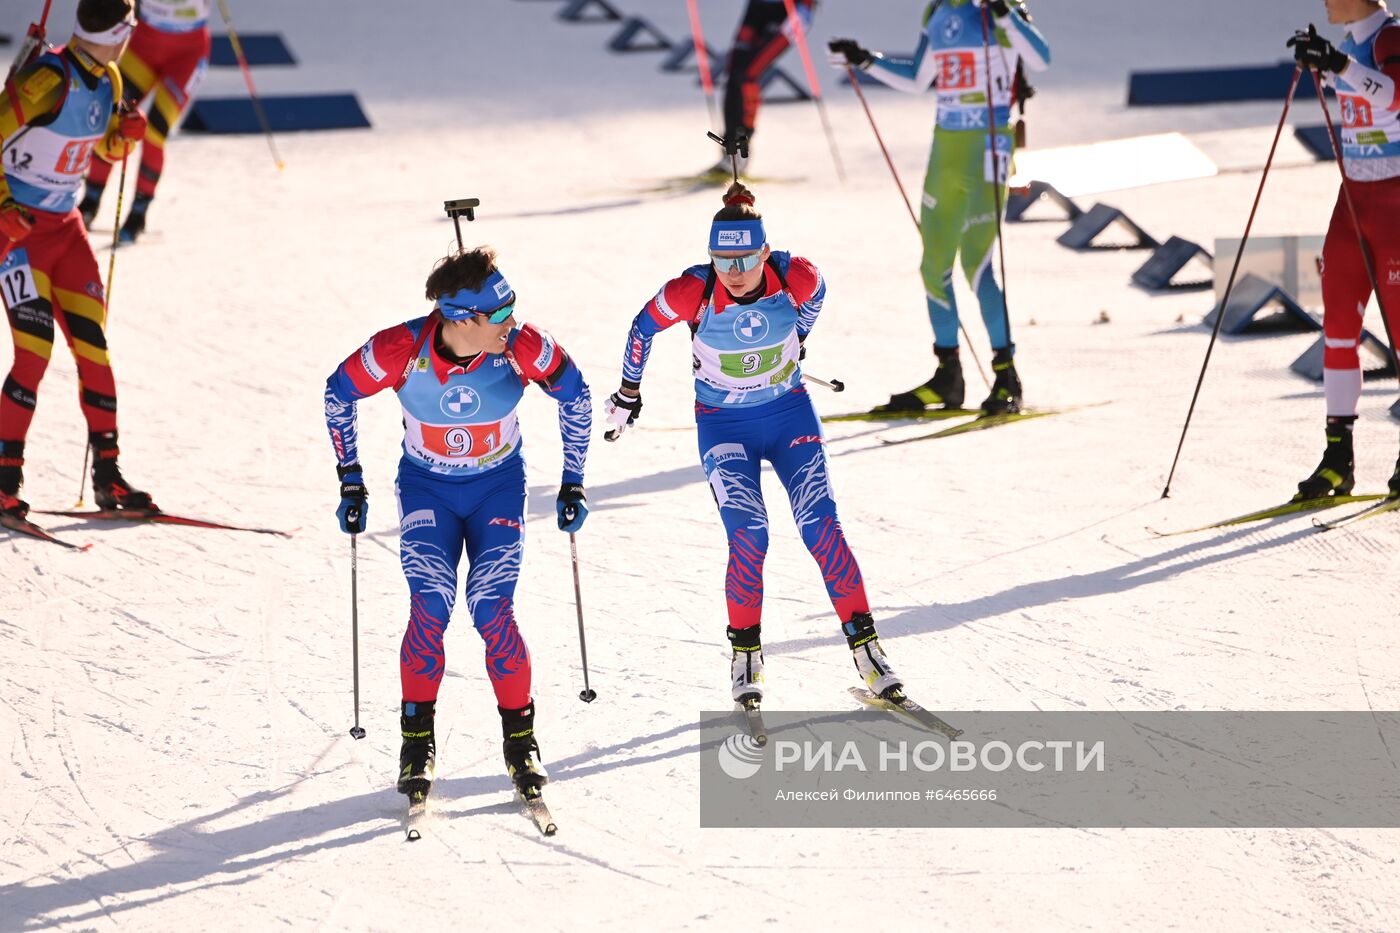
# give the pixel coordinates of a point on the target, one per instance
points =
(738, 204)
(102, 15)
(466, 268)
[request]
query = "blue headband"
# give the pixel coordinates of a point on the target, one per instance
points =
(465, 303)
(736, 236)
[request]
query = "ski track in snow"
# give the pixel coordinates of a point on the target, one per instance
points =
(174, 702)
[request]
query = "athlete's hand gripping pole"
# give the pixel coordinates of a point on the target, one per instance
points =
(894, 172)
(799, 34)
(248, 80)
(1230, 283)
(587, 694)
(1355, 218)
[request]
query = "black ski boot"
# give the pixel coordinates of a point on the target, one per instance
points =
(135, 221)
(11, 478)
(1335, 475)
(1395, 481)
(87, 207)
(874, 668)
(746, 665)
(945, 390)
(418, 753)
(1005, 398)
(521, 750)
(109, 488)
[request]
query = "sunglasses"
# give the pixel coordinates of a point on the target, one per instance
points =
(737, 263)
(498, 316)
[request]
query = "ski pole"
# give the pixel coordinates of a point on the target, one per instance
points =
(800, 35)
(996, 164)
(356, 731)
(248, 79)
(1356, 223)
(1230, 283)
(702, 61)
(855, 85)
(106, 306)
(587, 694)
(835, 385)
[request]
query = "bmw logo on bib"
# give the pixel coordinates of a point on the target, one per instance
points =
(460, 402)
(952, 29)
(94, 115)
(751, 327)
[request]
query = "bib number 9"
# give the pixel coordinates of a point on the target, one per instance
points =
(751, 362)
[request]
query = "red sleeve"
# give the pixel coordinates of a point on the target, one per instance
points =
(378, 364)
(678, 300)
(803, 279)
(536, 353)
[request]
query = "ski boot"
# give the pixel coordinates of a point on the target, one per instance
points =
(945, 390)
(11, 479)
(521, 750)
(872, 665)
(87, 207)
(135, 221)
(1005, 398)
(418, 753)
(746, 666)
(109, 489)
(1395, 481)
(1335, 475)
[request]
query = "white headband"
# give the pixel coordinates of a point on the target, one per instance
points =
(112, 36)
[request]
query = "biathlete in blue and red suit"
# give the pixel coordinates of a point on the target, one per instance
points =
(764, 34)
(460, 374)
(167, 59)
(748, 311)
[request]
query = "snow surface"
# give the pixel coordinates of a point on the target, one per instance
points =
(174, 703)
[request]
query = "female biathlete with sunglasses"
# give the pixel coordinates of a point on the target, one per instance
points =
(749, 310)
(459, 374)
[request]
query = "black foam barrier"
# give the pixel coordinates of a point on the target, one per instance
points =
(1253, 294)
(285, 114)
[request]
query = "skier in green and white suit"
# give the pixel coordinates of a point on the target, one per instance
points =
(959, 212)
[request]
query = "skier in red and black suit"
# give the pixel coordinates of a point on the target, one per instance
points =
(764, 34)
(1365, 70)
(55, 114)
(168, 56)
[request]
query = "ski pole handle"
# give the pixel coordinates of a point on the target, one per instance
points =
(835, 385)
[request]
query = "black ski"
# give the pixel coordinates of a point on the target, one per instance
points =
(157, 518)
(753, 718)
(23, 526)
(906, 708)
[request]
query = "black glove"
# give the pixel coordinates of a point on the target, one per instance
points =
(849, 52)
(1313, 51)
(354, 510)
(999, 8)
(572, 507)
(622, 408)
(801, 347)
